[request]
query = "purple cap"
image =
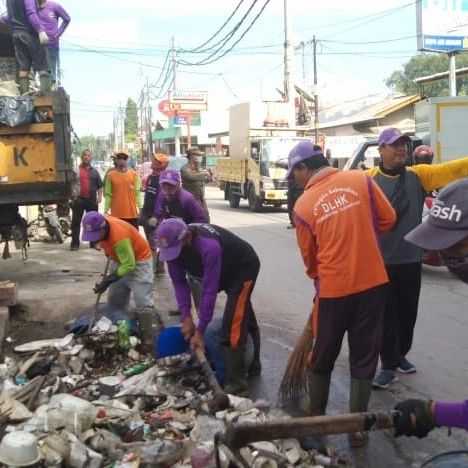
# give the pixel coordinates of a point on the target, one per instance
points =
(169, 237)
(447, 223)
(391, 135)
(170, 176)
(302, 151)
(93, 224)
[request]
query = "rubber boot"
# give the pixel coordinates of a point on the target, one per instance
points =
(360, 392)
(235, 380)
(44, 83)
(23, 84)
(255, 368)
(319, 388)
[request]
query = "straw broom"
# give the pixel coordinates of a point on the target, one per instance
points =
(294, 384)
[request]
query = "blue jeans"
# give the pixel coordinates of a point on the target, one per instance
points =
(53, 58)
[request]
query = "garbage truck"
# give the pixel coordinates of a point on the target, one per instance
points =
(260, 140)
(35, 158)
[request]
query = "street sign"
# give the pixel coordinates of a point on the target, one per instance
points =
(180, 120)
(188, 100)
(442, 25)
(165, 108)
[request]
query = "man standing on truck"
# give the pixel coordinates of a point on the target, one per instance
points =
(406, 189)
(122, 191)
(29, 40)
(226, 263)
(88, 198)
(50, 13)
(193, 178)
(132, 270)
(337, 219)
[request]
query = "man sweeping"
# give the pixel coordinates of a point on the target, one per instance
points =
(132, 272)
(337, 221)
(225, 262)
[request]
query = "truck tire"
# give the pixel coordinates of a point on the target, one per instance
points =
(234, 199)
(255, 204)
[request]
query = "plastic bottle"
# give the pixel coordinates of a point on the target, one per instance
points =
(123, 334)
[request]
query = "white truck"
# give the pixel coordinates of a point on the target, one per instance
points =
(259, 143)
(442, 123)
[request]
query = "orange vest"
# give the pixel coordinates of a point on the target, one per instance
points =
(123, 201)
(339, 217)
(120, 230)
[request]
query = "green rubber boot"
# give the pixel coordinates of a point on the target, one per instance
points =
(23, 84)
(319, 388)
(360, 392)
(235, 380)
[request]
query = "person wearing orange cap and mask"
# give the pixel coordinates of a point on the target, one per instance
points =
(151, 188)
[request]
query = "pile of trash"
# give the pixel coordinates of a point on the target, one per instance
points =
(97, 399)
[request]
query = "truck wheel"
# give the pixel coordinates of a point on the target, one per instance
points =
(234, 200)
(255, 204)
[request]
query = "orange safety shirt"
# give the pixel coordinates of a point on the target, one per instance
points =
(338, 220)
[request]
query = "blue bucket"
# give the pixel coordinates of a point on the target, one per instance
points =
(170, 342)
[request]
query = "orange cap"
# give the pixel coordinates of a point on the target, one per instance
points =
(162, 158)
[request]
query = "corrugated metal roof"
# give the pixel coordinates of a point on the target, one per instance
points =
(368, 109)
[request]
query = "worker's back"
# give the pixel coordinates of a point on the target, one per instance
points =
(343, 211)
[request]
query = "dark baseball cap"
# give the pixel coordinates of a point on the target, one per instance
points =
(392, 135)
(302, 151)
(169, 238)
(447, 223)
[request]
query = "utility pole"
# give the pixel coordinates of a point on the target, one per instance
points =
(453, 73)
(174, 89)
(316, 103)
(288, 59)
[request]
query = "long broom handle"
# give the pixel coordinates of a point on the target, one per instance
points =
(240, 435)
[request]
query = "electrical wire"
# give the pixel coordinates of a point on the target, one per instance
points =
(201, 46)
(226, 52)
(383, 41)
(226, 38)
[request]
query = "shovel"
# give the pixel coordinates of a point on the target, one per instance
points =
(98, 298)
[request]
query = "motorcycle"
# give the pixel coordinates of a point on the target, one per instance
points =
(57, 227)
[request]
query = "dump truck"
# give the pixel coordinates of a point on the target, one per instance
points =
(35, 159)
(259, 143)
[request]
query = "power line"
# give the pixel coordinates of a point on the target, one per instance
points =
(217, 31)
(219, 57)
(383, 41)
(375, 18)
(226, 38)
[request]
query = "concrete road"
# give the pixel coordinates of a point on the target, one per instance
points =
(55, 285)
(282, 300)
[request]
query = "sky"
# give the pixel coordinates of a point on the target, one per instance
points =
(99, 79)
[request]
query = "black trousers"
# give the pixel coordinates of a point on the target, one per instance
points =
(239, 318)
(359, 315)
(132, 221)
(400, 312)
(79, 207)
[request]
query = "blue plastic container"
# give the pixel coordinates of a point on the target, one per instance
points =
(170, 342)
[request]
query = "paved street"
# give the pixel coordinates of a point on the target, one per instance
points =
(55, 285)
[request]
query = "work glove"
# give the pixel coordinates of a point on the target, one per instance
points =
(101, 287)
(414, 418)
(43, 38)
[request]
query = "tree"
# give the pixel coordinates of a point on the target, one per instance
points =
(425, 65)
(131, 121)
(99, 146)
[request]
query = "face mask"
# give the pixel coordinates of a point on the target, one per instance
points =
(458, 266)
(198, 159)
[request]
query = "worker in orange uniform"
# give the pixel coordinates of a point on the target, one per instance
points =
(122, 191)
(338, 219)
